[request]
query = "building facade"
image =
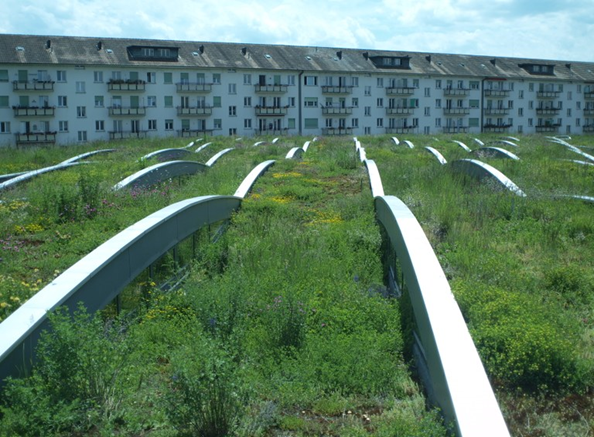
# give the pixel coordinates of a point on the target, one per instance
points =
(65, 90)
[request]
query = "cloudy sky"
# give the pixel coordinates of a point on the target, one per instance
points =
(542, 29)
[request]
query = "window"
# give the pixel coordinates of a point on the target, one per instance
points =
(354, 122)
(569, 112)
(232, 111)
(438, 84)
(151, 77)
(379, 122)
(99, 125)
(310, 123)
(291, 123)
(355, 102)
(521, 94)
(438, 103)
(4, 127)
(578, 105)
(367, 90)
(473, 122)
(116, 75)
(569, 95)
(520, 112)
(380, 82)
(367, 130)
(81, 111)
(63, 126)
(529, 122)
(216, 78)
(99, 101)
(167, 77)
(427, 111)
(531, 105)
(247, 79)
(4, 102)
(168, 124)
(310, 102)
(82, 135)
(216, 101)
(168, 101)
(151, 101)
(247, 123)
(438, 122)
(61, 76)
(3, 75)
(98, 76)
(355, 81)
(291, 80)
(292, 102)
(247, 101)
(310, 80)
(232, 131)
(232, 88)
(577, 122)
(531, 87)
(380, 102)
(427, 92)
(217, 123)
(152, 125)
(473, 103)
(368, 110)
(474, 85)
(80, 87)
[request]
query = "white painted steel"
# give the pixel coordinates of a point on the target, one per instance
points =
(86, 155)
(375, 180)
(395, 140)
(437, 154)
(294, 153)
(409, 144)
(159, 172)
(31, 174)
(497, 152)
(215, 157)
(248, 182)
(199, 149)
(482, 170)
(464, 146)
(169, 154)
(459, 381)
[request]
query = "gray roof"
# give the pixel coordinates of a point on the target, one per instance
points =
(64, 50)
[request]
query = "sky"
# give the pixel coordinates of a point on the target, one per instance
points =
(539, 29)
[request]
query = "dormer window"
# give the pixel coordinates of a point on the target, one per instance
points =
(400, 62)
(157, 54)
(539, 69)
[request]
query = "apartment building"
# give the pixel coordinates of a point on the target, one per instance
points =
(64, 90)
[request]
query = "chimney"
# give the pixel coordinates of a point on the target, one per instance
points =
(244, 51)
(339, 54)
(201, 49)
(493, 61)
(100, 45)
(48, 44)
(428, 57)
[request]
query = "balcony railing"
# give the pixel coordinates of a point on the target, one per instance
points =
(496, 128)
(336, 110)
(283, 131)
(127, 110)
(588, 128)
(547, 127)
(588, 95)
(547, 111)
(329, 89)
(126, 85)
(35, 138)
(197, 111)
(337, 131)
(400, 111)
(34, 111)
(192, 133)
(123, 135)
(271, 88)
(496, 111)
(271, 110)
(496, 93)
(400, 91)
(34, 85)
(402, 130)
(194, 87)
(456, 111)
(548, 94)
(456, 91)
(455, 129)
(589, 112)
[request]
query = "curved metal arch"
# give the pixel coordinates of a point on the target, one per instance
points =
(86, 155)
(295, 153)
(464, 146)
(458, 380)
(166, 154)
(159, 172)
(437, 154)
(31, 174)
(375, 180)
(496, 152)
(199, 149)
(215, 157)
(480, 170)
(248, 182)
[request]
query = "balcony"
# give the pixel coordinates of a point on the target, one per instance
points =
(455, 129)
(203, 111)
(496, 111)
(456, 111)
(32, 138)
(337, 131)
(496, 128)
(400, 91)
(588, 112)
(547, 111)
(127, 111)
(496, 93)
(401, 130)
(456, 91)
(544, 128)
(126, 85)
(588, 128)
(34, 85)
(272, 131)
(194, 87)
(329, 89)
(548, 94)
(271, 110)
(336, 110)
(34, 111)
(588, 95)
(400, 111)
(271, 88)
(124, 135)
(193, 133)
